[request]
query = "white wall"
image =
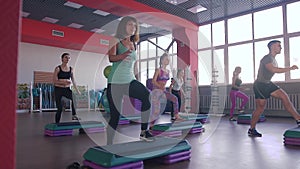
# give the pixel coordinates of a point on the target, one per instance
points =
(88, 66)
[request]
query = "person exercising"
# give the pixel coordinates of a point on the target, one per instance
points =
(63, 77)
(264, 88)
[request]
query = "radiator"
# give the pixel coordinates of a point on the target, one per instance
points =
(272, 103)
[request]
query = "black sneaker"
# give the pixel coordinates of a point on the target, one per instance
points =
(298, 122)
(173, 118)
(146, 136)
(253, 133)
(74, 117)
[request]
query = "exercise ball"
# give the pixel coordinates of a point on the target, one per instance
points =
(106, 71)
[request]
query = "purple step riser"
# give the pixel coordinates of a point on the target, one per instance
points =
(135, 165)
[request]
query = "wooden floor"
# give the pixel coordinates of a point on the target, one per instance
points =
(224, 144)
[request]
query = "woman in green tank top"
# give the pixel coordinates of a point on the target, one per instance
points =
(122, 81)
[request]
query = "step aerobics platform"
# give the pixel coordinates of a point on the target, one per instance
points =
(176, 129)
(292, 137)
(67, 128)
(246, 118)
(131, 155)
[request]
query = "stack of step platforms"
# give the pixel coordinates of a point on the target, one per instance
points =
(67, 128)
(292, 137)
(131, 155)
(177, 128)
(246, 118)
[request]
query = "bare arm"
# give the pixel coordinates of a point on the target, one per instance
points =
(274, 69)
(112, 52)
(74, 82)
(171, 85)
(136, 73)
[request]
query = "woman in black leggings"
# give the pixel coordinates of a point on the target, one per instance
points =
(63, 77)
(122, 81)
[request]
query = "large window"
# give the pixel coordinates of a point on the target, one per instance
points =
(268, 23)
(240, 29)
(247, 37)
(294, 56)
(218, 33)
(241, 55)
(205, 67)
(204, 37)
(218, 56)
(293, 24)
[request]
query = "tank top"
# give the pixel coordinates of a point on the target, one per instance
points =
(64, 75)
(177, 83)
(238, 83)
(163, 76)
(122, 71)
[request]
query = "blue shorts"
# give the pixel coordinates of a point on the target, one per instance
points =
(263, 90)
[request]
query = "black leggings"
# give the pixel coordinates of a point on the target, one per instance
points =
(59, 93)
(177, 94)
(115, 93)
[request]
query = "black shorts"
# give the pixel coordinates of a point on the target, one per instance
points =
(263, 90)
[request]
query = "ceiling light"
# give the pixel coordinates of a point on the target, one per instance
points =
(97, 30)
(197, 9)
(99, 12)
(72, 5)
(145, 25)
(50, 20)
(176, 2)
(25, 14)
(75, 25)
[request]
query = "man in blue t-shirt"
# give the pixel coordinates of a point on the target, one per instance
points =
(264, 88)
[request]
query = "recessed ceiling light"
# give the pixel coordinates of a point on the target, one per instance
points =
(97, 30)
(176, 2)
(50, 20)
(99, 12)
(72, 5)
(75, 25)
(145, 25)
(25, 14)
(197, 9)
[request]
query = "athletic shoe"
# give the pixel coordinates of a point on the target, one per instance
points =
(74, 117)
(146, 136)
(298, 122)
(253, 133)
(241, 110)
(232, 119)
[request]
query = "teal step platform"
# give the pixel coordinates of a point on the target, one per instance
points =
(246, 118)
(119, 155)
(175, 129)
(292, 137)
(203, 118)
(66, 128)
